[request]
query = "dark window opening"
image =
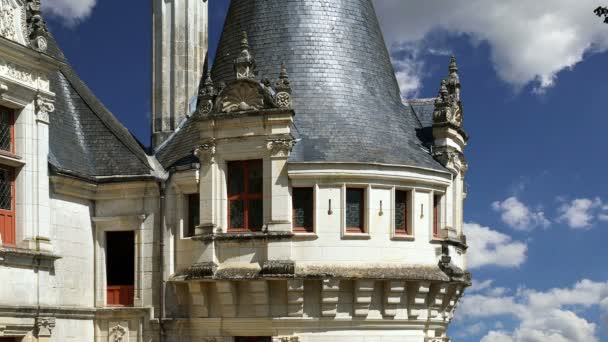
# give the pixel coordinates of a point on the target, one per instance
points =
(436, 213)
(252, 339)
(120, 267)
(6, 130)
(401, 213)
(7, 339)
(7, 206)
(193, 217)
(245, 205)
(355, 208)
(302, 201)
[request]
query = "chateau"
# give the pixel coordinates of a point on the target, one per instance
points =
(289, 194)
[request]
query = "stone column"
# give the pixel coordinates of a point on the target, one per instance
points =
(277, 194)
(44, 106)
(208, 189)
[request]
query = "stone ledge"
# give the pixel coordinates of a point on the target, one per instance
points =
(450, 241)
(51, 311)
(12, 256)
(244, 236)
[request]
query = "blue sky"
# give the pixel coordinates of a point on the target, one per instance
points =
(533, 92)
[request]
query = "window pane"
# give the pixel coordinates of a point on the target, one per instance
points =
(401, 211)
(6, 122)
(6, 190)
(120, 258)
(237, 214)
(255, 177)
(236, 180)
(302, 208)
(354, 208)
(193, 214)
(256, 214)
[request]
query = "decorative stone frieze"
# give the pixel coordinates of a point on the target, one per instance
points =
(11, 24)
(280, 147)
(44, 106)
(119, 332)
(17, 72)
(45, 326)
(206, 152)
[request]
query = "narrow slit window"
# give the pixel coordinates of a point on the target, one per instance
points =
(245, 204)
(355, 209)
(436, 215)
(193, 217)
(7, 206)
(401, 213)
(302, 200)
(120, 268)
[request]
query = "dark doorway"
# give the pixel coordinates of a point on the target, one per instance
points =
(120, 267)
(252, 339)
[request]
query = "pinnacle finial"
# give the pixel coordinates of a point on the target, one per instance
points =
(453, 66)
(283, 75)
(244, 41)
(443, 90)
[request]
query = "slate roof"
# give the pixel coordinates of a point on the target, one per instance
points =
(346, 97)
(423, 109)
(86, 140)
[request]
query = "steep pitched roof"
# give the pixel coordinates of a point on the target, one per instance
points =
(346, 98)
(86, 140)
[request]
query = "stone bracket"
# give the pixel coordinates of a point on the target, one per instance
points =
(363, 291)
(295, 298)
(330, 296)
(419, 293)
(394, 297)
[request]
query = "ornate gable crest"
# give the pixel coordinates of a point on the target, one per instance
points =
(245, 93)
(12, 21)
(448, 107)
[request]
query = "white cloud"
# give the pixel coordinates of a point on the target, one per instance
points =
(542, 316)
(480, 286)
(580, 213)
(603, 216)
(491, 248)
(70, 11)
(517, 215)
(530, 41)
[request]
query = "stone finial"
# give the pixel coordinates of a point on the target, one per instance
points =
(37, 29)
(206, 96)
(448, 107)
(244, 65)
(283, 88)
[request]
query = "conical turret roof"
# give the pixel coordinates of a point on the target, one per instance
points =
(345, 95)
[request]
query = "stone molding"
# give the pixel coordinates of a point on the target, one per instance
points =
(206, 152)
(45, 326)
(280, 147)
(44, 106)
(20, 257)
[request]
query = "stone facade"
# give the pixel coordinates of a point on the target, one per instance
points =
(203, 281)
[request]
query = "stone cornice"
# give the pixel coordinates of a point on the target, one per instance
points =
(75, 187)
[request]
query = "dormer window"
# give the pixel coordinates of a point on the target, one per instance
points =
(402, 220)
(245, 204)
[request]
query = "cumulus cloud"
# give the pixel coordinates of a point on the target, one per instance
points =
(581, 213)
(541, 316)
(530, 41)
(70, 12)
(488, 247)
(517, 215)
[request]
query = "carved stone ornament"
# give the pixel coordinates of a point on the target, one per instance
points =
(206, 152)
(119, 333)
(280, 147)
(244, 65)
(17, 72)
(241, 96)
(448, 106)
(286, 339)
(451, 159)
(283, 88)
(283, 100)
(44, 106)
(12, 21)
(36, 27)
(45, 326)
(206, 95)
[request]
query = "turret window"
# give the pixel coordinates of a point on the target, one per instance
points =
(193, 217)
(245, 204)
(402, 224)
(436, 216)
(355, 210)
(302, 201)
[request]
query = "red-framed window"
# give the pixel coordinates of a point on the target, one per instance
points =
(355, 210)
(436, 215)
(120, 268)
(245, 195)
(303, 204)
(193, 215)
(7, 205)
(402, 220)
(7, 130)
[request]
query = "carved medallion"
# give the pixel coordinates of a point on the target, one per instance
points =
(119, 332)
(283, 100)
